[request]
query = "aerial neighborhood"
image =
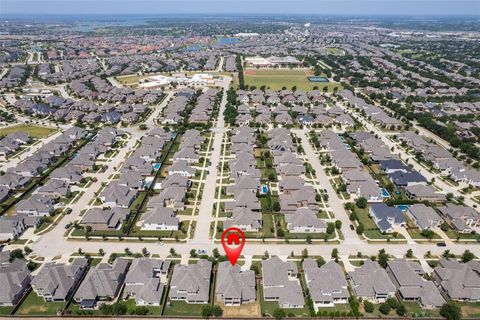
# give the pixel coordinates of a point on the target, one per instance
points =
(345, 151)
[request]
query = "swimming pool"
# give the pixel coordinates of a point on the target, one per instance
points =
(156, 166)
(263, 189)
(385, 193)
(318, 79)
(403, 207)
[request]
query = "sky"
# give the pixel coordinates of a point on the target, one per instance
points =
(325, 7)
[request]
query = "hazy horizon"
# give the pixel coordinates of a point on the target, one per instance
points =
(412, 8)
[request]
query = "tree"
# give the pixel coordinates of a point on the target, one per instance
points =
(467, 256)
(393, 303)
(382, 258)
(451, 311)
(427, 233)
(361, 203)
(368, 306)
(119, 308)
(276, 206)
(409, 254)
(335, 253)
(16, 254)
(216, 254)
(141, 311)
(305, 253)
(320, 261)
(338, 224)
(207, 311)
(330, 228)
(173, 252)
(444, 226)
(193, 253)
(217, 311)
(279, 314)
(401, 310)
(360, 228)
(105, 309)
(384, 308)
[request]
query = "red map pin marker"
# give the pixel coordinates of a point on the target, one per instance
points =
(233, 240)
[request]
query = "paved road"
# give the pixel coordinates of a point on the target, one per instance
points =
(44, 242)
(202, 229)
(445, 187)
(334, 201)
(53, 243)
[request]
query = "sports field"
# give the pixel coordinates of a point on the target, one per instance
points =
(35, 131)
(276, 79)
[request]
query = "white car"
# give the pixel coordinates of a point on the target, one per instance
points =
(160, 243)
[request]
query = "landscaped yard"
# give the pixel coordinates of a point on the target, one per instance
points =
(5, 310)
(33, 305)
(471, 309)
(181, 308)
(34, 131)
(268, 307)
(276, 79)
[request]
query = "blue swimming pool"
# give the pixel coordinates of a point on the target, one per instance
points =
(403, 207)
(156, 166)
(385, 193)
(263, 189)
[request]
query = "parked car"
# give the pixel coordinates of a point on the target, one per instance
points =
(352, 227)
(441, 244)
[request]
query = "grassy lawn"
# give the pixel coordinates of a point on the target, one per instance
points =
(471, 310)
(452, 234)
(151, 309)
(268, 307)
(376, 234)
(33, 131)
(182, 309)
(342, 308)
(75, 309)
(415, 310)
(267, 225)
(416, 234)
(363, 217)
(277, 79)
(5, 310)
(35, 305)
(335, 51)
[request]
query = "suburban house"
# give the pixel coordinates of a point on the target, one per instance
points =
(327, 284)
(305, 220)
(245, 219)
(102, 282)
(460, 281)
(191, 283)
(145, 281)
(15, 282)
(160, 218)
(56, 281)
(462, 218)
(281, 283)
(424, 217)
(106, 218)
(11, 227)
(407, 276)
(371, 282)
(387, 218)
(235, 287)
(422, 192)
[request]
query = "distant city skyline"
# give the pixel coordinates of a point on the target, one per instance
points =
(316, 7)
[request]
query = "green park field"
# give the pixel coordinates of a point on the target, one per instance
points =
(33, 130)
(276, 79)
